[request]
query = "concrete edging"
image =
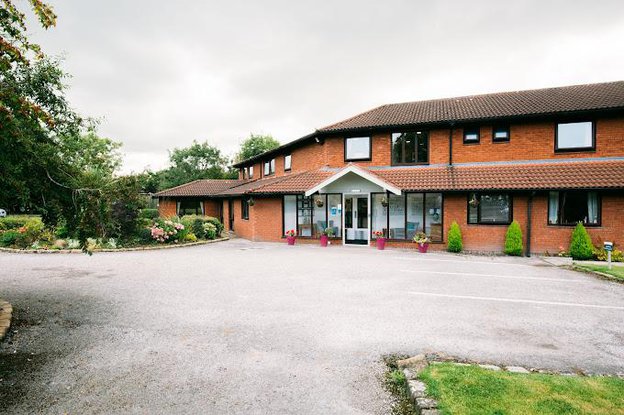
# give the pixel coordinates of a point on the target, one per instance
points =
(138, 248)
(6, 312)
(417, 389)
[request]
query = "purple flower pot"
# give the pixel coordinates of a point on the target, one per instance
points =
(324, 240)
(291, 240)
(422, 248)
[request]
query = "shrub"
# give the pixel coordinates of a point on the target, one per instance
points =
(455, 243)
(513, 240)
(190, 237)
(581, 246)
(210, 230)
(18, 221)
(601, 254)
(168, 230)
(148, 213)
(197, 225)
(217, 223)
(8, 238)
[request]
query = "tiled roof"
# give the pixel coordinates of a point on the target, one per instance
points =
(490, 106)
(512, 176)
(203, 187)
(292, 183)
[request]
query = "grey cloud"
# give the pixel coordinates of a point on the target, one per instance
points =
(162, 73)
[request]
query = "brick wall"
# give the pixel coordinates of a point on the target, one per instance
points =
(528, 141)
(167, 207)
(212, 208)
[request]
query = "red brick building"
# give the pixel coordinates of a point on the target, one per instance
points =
(546, 158)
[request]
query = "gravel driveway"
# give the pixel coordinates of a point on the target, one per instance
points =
(241, 327)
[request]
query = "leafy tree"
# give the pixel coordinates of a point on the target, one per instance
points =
(256, 144)
(198, 161)
(581, 246)
(455, 243)
(513, 240)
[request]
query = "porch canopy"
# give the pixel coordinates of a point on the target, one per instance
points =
(360, 173)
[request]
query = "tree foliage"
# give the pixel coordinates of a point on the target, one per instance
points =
(198, 161)
(256, 144)
(513, 239)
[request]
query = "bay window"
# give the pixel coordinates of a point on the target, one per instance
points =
(490, 208)
(309, 216)
(401, 217)
(571, 207)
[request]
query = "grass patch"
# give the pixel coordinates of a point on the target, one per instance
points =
(616, 271)
(464, 390)
(396, 383)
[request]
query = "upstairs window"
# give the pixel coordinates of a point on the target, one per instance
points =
(500, 133)
(410, 148)
(574, 136)
(250, 172)
(471, 135)
(245, 174)
(489, 208)
(569, 208)
(357, 148)
(269, 167)
(287, 162)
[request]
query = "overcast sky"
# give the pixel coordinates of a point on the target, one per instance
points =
(163, 73)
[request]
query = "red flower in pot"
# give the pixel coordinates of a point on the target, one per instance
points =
(290, 236)
(380, 240)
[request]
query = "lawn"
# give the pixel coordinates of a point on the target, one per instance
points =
(464, 390)
(616, 271)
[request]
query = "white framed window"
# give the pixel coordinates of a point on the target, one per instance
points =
(287, 162)
(357, 148)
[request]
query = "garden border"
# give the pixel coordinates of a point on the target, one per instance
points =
(138, 248)
(6, 312)
(426, 405)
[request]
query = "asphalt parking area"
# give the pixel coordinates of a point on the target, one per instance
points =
(240, 327)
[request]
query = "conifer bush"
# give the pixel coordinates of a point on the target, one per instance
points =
(455, 243)
(513, 240)
(581, 246)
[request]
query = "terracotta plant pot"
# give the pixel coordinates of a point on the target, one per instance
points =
(422, 248)
(324, 240)
(381, 243)
(291, 240)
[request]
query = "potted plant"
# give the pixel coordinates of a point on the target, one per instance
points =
(290, 236)
(325, 235)
(380, 240)
(423, 242)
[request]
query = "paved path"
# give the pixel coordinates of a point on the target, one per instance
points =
(238, 327)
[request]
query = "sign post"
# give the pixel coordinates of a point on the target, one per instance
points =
(608, 246)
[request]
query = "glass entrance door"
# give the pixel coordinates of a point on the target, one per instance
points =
(356, 219)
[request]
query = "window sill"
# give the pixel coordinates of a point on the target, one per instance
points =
(419, 163)
(575, 150)
(490, 224)
(573, 225)
(471, 143)
(366, 159)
